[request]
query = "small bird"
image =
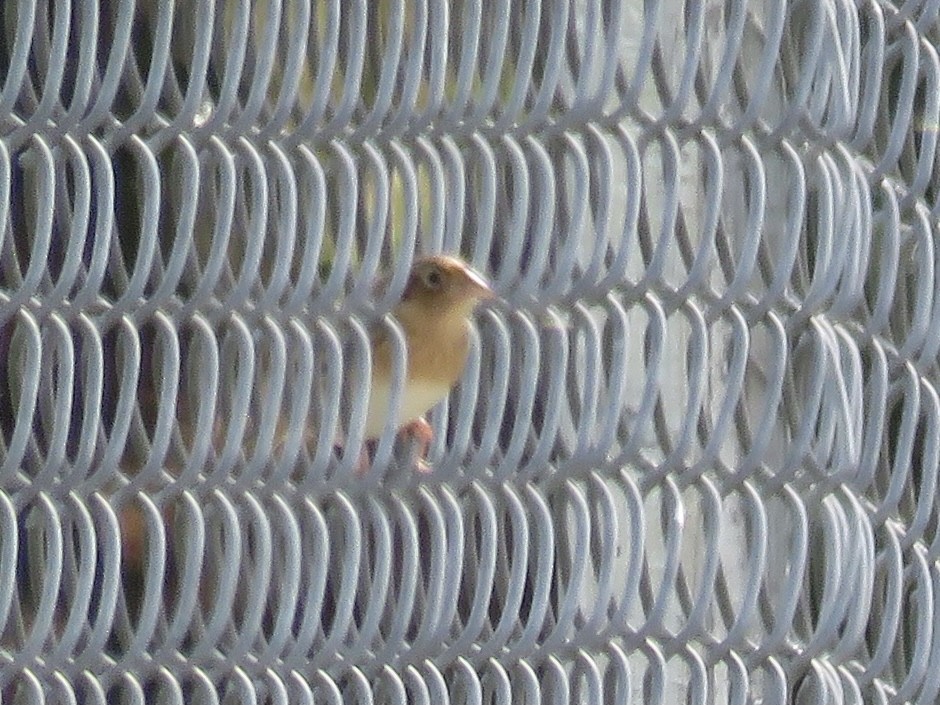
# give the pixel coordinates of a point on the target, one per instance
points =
(441, 294)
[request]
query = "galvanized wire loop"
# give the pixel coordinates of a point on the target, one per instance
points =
(692, 456)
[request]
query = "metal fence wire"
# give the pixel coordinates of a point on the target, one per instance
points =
(693, 457)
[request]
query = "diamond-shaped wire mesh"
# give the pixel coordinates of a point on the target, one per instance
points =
(693, 457)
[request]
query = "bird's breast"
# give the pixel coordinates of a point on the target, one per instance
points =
(417, 397)
(436, 358)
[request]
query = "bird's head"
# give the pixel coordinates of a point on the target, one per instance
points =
(440, 285)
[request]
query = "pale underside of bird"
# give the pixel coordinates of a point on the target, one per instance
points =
(434, 315)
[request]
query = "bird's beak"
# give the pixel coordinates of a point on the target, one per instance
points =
(479, 287)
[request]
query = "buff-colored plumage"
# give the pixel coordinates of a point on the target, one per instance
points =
(434, 314)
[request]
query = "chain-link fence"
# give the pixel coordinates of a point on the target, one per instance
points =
(693, 455)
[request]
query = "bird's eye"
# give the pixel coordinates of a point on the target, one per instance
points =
(432, 278)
